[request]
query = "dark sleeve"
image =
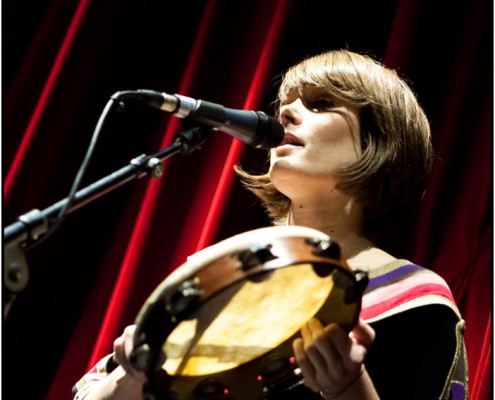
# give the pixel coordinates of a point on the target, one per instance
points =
(413, 353)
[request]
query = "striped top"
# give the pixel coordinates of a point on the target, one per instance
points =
(402, 285)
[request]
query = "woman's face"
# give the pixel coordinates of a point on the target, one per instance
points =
(321, 137)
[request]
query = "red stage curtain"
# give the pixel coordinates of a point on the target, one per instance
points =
(64, 59)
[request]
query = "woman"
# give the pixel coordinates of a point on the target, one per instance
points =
(356, 153)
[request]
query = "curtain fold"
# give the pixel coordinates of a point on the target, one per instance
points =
(13, 100)
(141, 231)
(94, 274)
(482, 385)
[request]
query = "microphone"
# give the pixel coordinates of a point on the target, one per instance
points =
(254, 128)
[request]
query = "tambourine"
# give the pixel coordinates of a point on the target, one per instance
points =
(221, 325)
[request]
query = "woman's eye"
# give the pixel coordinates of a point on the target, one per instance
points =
(321, 104)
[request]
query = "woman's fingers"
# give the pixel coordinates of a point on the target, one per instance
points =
(363, 333)
(325, 349)
(122, 347)
(307, 369)
(328, 356)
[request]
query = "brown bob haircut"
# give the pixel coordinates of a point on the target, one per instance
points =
(391, 174)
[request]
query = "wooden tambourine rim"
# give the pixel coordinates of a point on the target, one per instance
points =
(217, 268)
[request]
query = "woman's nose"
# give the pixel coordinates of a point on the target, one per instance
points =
(290, 113)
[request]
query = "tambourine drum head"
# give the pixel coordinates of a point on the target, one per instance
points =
(245, 321)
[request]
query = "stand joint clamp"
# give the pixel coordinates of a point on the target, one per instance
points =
(152, 166)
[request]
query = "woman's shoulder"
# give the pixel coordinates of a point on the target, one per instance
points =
(401, 285)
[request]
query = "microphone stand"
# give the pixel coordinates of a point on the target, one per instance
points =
(29, 227)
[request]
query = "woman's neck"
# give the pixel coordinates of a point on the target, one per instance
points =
(342, 219)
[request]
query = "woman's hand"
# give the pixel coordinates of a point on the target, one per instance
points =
(122, 347)
(330, 359)
(124, 382)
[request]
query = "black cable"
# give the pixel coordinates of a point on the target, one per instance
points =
(114, 101)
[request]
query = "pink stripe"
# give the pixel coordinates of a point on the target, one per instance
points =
(395, 289)
(416, 292)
